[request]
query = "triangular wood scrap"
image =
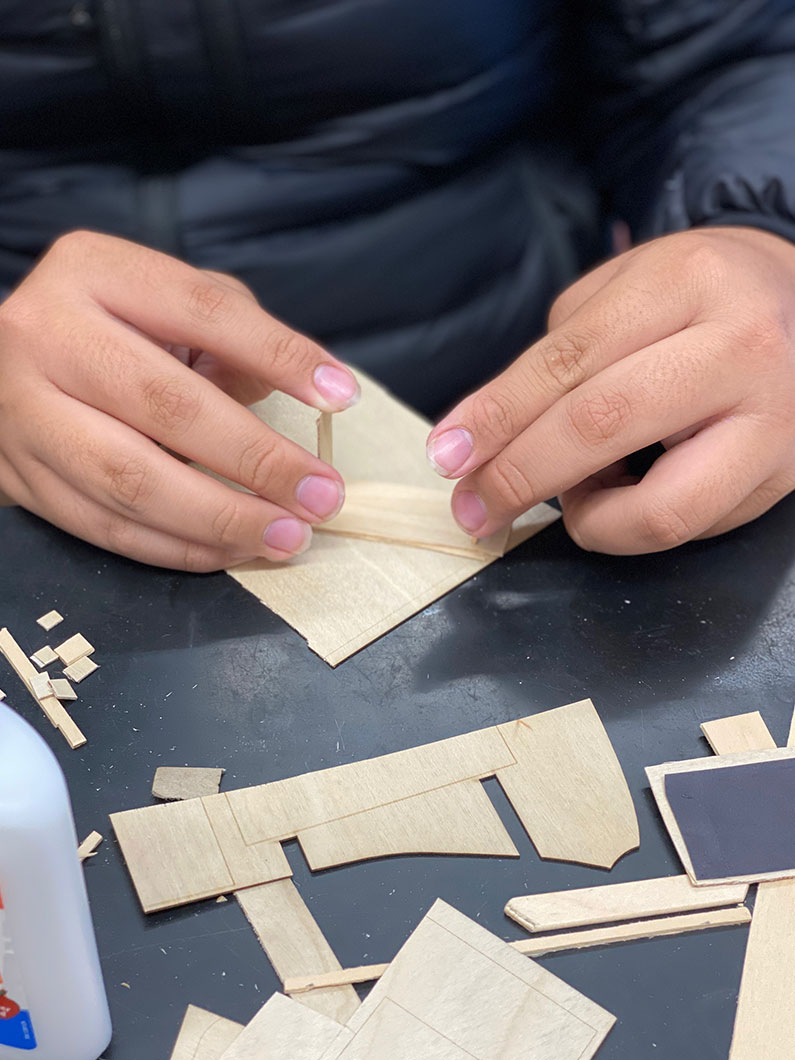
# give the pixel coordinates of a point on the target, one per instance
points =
(186, 782)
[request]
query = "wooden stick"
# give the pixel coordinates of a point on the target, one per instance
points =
(89, 845)
(51, 706)
(542, 944)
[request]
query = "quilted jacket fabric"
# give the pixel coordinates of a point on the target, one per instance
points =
(410, 181)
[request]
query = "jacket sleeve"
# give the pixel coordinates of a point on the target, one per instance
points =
(689, 110)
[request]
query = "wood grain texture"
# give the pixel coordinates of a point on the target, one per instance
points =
(458, 819)
(657, 774)
(204, 1036)
(51, 706)
(615, 902)
(471, 988)
(81, 669)
(741, 732)
(248, 865)
(50, 620)
(73, 649)
(409, 515)
(392, 1033)
(567, 786)
(185, 782)
(285, 1030)
(295, 944)
(325, 438)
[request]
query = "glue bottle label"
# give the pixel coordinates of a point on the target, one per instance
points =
(16, 1026)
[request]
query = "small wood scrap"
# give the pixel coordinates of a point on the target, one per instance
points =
(51, 706)
(41, 686)
(62, 689)
(204, 1036)
(325, 442)
(730, 817)
(185, 782)
(73, 649)
(44, 656)
(88, 847)
(791, 737)
(2, 695)
(295, 944)
(50, 620)
(80, 670)
(742, 732)
(614, 902)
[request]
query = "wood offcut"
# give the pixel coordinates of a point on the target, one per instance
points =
(50, 620)
(73, 649)
(185, 782)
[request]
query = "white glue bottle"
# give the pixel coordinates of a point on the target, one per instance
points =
(52, 998)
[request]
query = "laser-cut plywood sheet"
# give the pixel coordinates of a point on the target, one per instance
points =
(346, 592)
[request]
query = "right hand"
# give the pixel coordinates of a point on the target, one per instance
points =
(91, 381)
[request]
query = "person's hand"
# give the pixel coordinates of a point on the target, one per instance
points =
(107, 349)
(688, 340)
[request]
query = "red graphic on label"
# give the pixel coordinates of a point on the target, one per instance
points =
(8, 1008)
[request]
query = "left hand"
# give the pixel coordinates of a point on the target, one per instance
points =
(688, 340)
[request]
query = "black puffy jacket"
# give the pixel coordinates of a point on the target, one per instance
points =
(410, 181)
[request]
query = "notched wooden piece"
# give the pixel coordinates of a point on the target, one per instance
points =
(204, 1036)
(614, 902)
(81, 669)
(74, 649)
(185, 782)
(50, 620)
(44, 656)
(568, 788)
(741, 732)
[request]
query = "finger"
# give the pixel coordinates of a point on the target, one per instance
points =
(631, 404)
(616, 321)
(760, 501)
(583, 289)
(179, 304)
(131, 476)
(59, 503)
(690, 489)
(135, 382)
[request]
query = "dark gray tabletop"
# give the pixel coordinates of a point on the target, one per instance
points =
(194, 671)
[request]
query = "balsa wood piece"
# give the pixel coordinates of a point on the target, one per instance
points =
(283, 808)
(791, 737)
(50, 620)
(742, 732)
(286, 1030)
(88, 847)
(204, 1036)
(458, 819)
(185, 782)
(567, 786)
(248, 865)
(80, 670)
(345, 593)
(392, 1033)
(540, 945)
(76, 647)
(44, 656)
(657, 775)
(472, 989)
(172, 854)
(325, 443)
(51, 706)
(408, 515)
(62, 690)
(615, 902)
(295, 944)
(2, 694)
(41, 686)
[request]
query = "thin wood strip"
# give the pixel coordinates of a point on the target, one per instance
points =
(742, 732)
(51, 706)
(89, 845)
(542, 944)
(325, 443)
(791, 737)
(80, 670)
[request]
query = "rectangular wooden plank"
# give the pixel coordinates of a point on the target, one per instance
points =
(741, 732)
(764, 825)
(73, 649)
(44, 656)
(248, 865)
(62, 690)
(458, 819)
(172, 854)
(204, 1036)
(568, 788)
(613, 902)
(50, 620)
(81, 669)
(283, 1029)
(283, 808)
(295, 944)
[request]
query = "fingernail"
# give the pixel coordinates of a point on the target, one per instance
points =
(288, 535)
(337, 386)
(322, 496)
(469, 511)
(450, 450)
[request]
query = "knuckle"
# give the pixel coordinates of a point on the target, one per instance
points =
(703, 261)
(129, 483)
(662, 526)
(227, 524)
(171, 403)
(196, 559)
(257, 464)
(598, 418)
(76, 243)
(563, 359)
(495, 413)
(119, 535)
(765, 339)
(512, 483)
(287, 351)
(209, 301)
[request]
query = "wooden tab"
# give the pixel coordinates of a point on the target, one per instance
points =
(81, 669)
(44, 656)
(62, 690)
(742, 732)
(50, 620)
(89, 845)
(73, 649)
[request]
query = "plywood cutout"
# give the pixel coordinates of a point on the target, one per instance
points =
(50, 620)
(285, 1030)
(766, 825)
(73, 649)
(615, 902)
(345, 593)
(567, 786)
(81, 669)
(392, 1033)
(204, 1036)
(295, 944)
(185, 782)
(44, 656)
(742, 732)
